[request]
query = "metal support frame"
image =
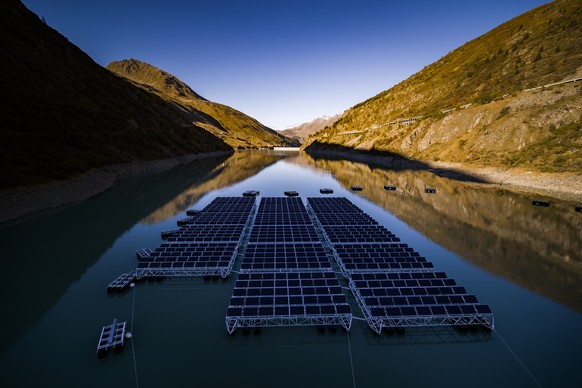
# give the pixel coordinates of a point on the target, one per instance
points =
(233, 323)
(378, 323)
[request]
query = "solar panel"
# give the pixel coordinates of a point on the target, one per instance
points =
(332, 205)
(366, 257)
(396, 299)
(326, 219)
(221, 218)
(283, 234)
(285, 257)
(233, 207)
(273, 299)
(273, 218)
(281, 204)
(359, 233)
(199, 233)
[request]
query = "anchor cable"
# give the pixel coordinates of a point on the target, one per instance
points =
(133, 340)
(517, 358)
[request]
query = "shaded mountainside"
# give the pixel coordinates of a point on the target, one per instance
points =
(63, 114)
(230, 125)
(498, 230)
(473, 105)
(303, 131)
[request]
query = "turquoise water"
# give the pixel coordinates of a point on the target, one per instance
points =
(523, 261)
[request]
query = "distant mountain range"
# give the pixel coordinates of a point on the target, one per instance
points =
(302, 131)
(491, 102)
(63, 114)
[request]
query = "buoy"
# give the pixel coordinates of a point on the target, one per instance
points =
(128, 335)
(132, 285)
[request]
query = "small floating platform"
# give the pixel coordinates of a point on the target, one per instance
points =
(326, 191)
(430, 190)
(578, 209)
(540, 203)
(143, 253)
(251, 193)
(291, 193)
(186, 221)
(192, 212)
(389, 188)
(169, 233)
(356, 188)
(112, 337)
(121, 282)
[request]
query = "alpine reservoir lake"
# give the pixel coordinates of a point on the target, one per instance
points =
(524, 261)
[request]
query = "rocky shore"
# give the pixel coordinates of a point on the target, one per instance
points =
(564, 186)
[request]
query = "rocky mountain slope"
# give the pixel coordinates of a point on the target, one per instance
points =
(301, 132)
(234, 127)
(483, 103)
(63, 114)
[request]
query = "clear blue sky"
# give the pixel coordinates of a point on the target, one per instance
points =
(283, 62)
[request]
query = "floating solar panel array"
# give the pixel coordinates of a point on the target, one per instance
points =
(393, 285)
(205, 245)
(286, 278)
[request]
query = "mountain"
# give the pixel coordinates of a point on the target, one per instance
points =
(492, 101)
(63, 114)
(234, 127)
(302, 131)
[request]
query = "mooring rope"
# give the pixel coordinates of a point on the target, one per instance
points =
(351, 361)
(517, 358)
(132, 339)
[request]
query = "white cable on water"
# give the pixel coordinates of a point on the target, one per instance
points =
(133, 338)
(517, 358)
(351, 361)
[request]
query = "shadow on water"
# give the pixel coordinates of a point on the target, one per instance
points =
(42, 256)
(397, 162)
(498, 230)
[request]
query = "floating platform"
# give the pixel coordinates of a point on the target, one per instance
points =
(112, 337)
(430, 190)
(397, 300)
(393, 285)
(356, 188)
(540, 203)
(326, 191)
(186, 221)
(251, 193)
(389, 188)
(144, 253)
(169, 233)
(288, 299)
(121, 282)
(291, 193)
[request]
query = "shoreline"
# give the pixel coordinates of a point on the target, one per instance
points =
(563, 186)
(18, 202)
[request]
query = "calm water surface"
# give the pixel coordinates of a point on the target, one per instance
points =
(524, 261)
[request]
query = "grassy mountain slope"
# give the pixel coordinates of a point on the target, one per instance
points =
(472, 106)
(63, 114)
(234, 127)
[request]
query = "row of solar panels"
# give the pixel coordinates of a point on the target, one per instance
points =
(286, 276)
(394, 285)
(207, 244)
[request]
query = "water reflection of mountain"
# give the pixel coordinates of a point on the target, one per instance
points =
(499, 230)
(45, 255)
(240, 166)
